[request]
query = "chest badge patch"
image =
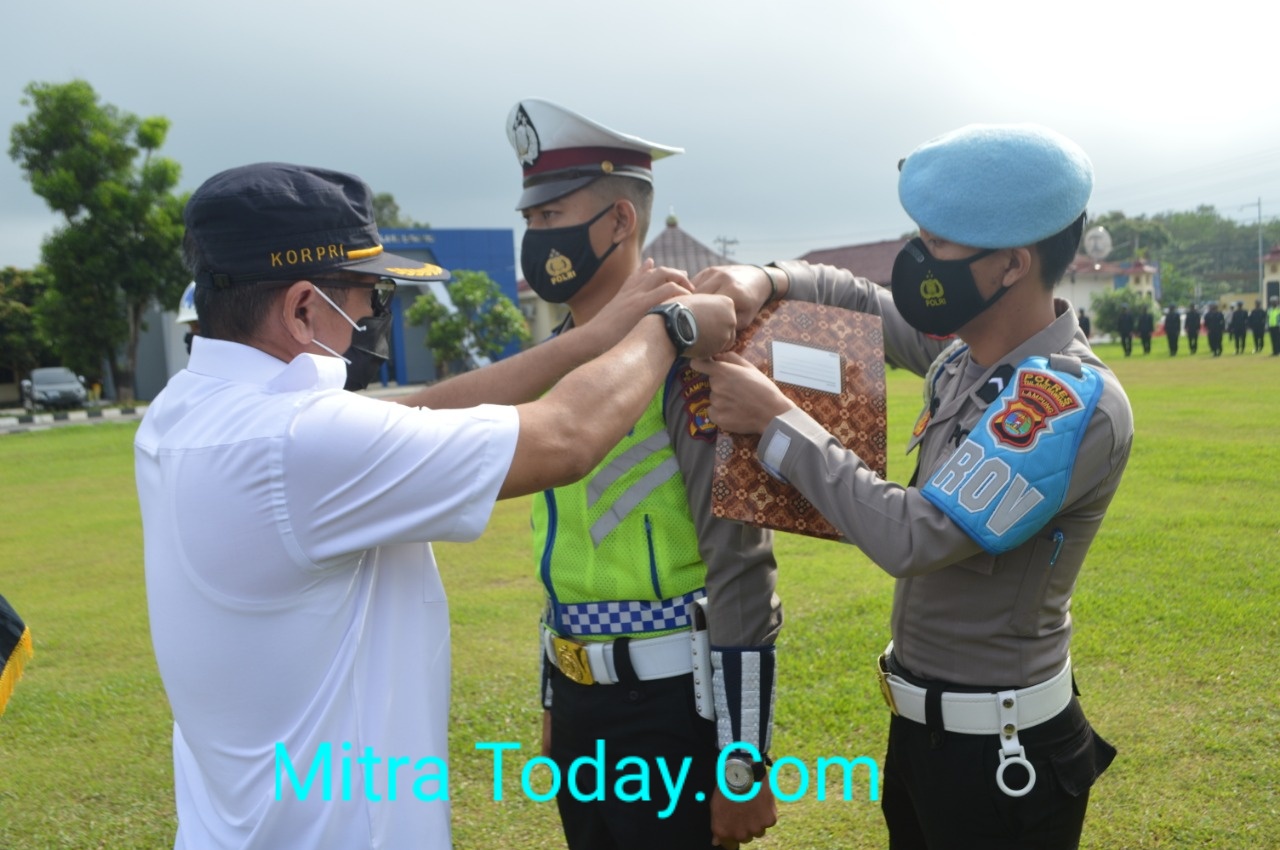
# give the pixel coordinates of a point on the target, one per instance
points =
(1040, 396)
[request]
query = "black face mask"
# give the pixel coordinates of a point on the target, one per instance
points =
(935, 296)
(370, 348)
(558, 262)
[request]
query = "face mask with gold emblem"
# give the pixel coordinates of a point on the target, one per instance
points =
(935, 296)
(559, 261)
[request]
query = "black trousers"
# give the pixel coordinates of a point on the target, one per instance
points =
(1126, 342)
(940, 789)
(1146, 341)
(1275, 340)
(644, 720)
(1173, 344)
(1215, 342)
(1193, 339)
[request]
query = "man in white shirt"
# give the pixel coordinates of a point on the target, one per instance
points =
(298, 618)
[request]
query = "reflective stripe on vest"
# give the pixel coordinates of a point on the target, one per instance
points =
(632, 497)
(624, 534)
(622, 464)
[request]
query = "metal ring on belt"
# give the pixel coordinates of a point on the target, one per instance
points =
(591, 662)
(1003, 713)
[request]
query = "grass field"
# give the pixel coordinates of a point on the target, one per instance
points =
(1177, 644)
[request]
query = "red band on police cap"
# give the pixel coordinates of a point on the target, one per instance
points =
(554, 160)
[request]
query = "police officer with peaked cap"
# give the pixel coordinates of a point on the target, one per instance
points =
(187, 314)
(631, 557)
(1021, 445)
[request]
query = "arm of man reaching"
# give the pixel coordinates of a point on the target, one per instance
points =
(564, 434)
(530, 373)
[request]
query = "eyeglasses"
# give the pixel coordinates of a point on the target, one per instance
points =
(381, 290)
(380, 299)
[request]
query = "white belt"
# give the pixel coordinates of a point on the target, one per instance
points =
(1003, 713)
(591, 662)
(985, 714)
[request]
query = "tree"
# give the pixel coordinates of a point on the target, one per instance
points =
(119, 250)
(22, 348)
(1132, 238)
(386, 212)
(1105, 307)
(1202, 254)
(483, 322)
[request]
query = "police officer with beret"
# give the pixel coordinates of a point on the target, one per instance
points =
(1021, 445)
(659, 616)
(297, 614)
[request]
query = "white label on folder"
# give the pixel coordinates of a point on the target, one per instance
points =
(812, 368)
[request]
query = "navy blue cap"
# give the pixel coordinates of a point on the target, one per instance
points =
(276, 221)
(996, 185)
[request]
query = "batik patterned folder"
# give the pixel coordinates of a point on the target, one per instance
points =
(830, 362)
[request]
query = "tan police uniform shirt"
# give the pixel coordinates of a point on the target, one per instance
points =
(960, 614)
(743, 608)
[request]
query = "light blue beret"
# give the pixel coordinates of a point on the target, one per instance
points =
(996, 185)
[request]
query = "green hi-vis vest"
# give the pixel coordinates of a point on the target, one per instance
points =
(1273, 317)
(618, 551)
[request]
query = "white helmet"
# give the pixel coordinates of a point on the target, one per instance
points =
(187, 306)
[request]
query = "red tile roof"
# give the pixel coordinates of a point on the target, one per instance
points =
(678, 250)
(874, 260)
(1086, 265)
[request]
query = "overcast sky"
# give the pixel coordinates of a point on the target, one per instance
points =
(793, 114)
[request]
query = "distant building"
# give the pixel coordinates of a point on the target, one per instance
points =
(676, 249)
(1086, 277)
(873, 260)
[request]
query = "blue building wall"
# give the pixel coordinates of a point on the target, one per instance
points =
(490, 250)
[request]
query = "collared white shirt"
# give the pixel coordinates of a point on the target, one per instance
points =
(294, 600)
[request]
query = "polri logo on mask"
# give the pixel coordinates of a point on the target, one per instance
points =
(922, 284)
(570, 261)
(560, 268)
(933, 293)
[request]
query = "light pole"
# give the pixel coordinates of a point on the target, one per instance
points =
(724, 242)
(1262, 295)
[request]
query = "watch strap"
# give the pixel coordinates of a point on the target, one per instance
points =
(669, 312)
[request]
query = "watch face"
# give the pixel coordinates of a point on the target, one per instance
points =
(687, 329)
(738, 775)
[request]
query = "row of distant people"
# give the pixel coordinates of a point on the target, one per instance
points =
(1216, 322)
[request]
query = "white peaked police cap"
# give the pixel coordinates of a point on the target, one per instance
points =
(562, 151)
(187, 306)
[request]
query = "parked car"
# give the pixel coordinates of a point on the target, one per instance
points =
(53, 387)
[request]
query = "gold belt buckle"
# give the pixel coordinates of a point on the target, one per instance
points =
(882, 673)
(571, 658)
